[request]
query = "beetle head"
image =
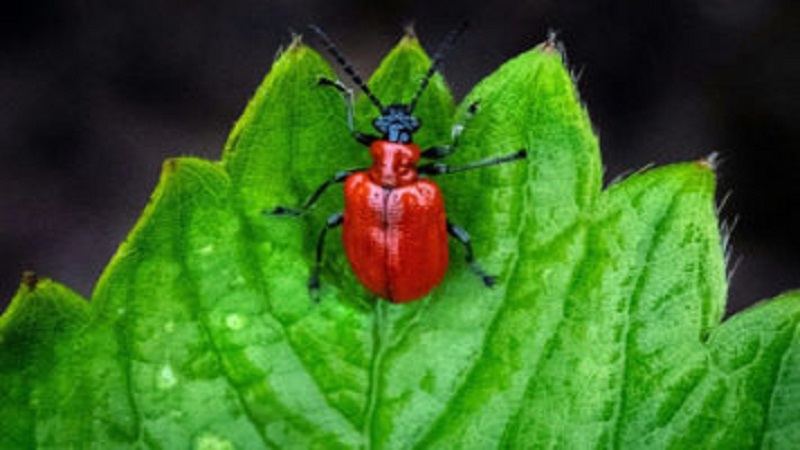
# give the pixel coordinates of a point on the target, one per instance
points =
(396, 123)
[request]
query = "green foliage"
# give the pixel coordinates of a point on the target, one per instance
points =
(602, 333)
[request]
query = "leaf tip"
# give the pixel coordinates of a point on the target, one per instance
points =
(409, 39)
(188, 166)
(30, 280)
(409, 32)
(171, 165)
(552, 44)
(181, 168)
(297, 42)
(710, 162)
(42, 304)
(293, 52)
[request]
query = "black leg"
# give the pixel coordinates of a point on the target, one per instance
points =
(441, 169)
(462, 236)
(362, 138)
(438, 152)
(338, 177)
(313, 280)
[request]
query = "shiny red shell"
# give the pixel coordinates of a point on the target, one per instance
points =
(395, 229)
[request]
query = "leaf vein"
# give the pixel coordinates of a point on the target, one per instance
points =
(550, 345)
(204, 326)
(248, 259)
(627, 344)
(773, 388)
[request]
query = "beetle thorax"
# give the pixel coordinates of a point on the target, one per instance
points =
(393, 164)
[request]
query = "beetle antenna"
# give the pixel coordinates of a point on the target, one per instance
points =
(438, 57)
(346, 66)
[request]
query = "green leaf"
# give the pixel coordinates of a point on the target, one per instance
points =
(37, 334)
(603, 332)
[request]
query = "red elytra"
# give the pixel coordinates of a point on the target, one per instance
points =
(395, 229)
(395, 226)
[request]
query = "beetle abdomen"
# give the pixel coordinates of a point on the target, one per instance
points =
(395, 238)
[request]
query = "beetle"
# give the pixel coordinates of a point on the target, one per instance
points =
(395, 228)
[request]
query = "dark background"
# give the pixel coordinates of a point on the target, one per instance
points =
(94, 97)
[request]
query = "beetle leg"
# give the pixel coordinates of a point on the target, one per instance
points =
(441, 169)
(438, 152)
(338, 177)
(362, 138)
(463, 237)
(348, 98)
(334, 220)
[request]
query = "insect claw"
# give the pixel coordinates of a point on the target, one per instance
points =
(322, 81)
(313, 288)
(283, 211)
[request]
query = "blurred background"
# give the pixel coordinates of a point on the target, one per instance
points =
(94, 96)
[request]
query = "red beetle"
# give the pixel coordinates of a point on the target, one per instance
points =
(394, 223)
